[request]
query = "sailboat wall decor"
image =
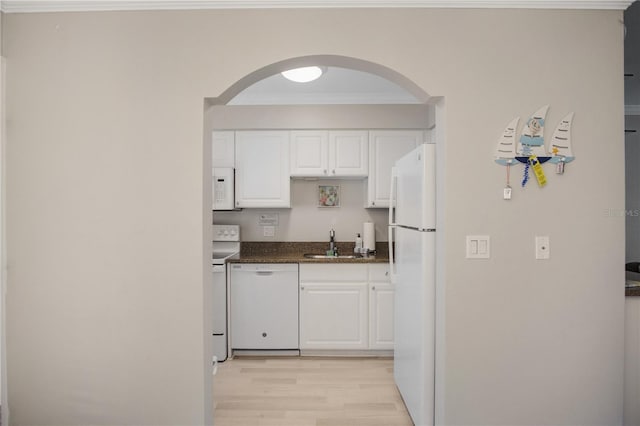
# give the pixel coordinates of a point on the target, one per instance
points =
(530, 148)
(560, 145)
(531, 141)
(506, 148)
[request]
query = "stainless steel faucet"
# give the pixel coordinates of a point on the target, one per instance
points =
(332, 243)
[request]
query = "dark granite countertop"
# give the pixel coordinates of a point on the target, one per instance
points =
(632, 291)
(293, 252)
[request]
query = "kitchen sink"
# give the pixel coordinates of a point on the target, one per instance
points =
(324, 256)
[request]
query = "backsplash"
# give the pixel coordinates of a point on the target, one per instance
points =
(305, 221)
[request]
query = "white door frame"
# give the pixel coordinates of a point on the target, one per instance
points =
(3, 253)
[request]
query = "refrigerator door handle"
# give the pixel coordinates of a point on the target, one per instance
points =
(392, 223)
(392, 263)
(392, 196)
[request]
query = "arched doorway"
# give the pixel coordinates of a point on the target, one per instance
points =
(221, 113)
(420, 95)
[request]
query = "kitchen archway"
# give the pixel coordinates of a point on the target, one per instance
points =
(221, 114)
(323, 61)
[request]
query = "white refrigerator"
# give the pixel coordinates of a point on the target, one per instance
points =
(412, 218)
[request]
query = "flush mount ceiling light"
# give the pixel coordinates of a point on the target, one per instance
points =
(303, 75)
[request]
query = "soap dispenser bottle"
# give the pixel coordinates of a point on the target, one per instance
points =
(358, 246)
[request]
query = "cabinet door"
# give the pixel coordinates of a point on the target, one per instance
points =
(381, 307)
(385, 148)
(309, 152)
(262, 169)
(381, 315)
(223, 148)
(333, 316)
(348, 153)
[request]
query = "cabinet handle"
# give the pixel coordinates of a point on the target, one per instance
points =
(373, 288)
(373, 203)
(386, 274)
(334, 171)
(324, 171)
(301, 288)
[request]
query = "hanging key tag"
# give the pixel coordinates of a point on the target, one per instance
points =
(506, 195)
(537, 171)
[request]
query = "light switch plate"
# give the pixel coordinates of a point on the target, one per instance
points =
(478, 247)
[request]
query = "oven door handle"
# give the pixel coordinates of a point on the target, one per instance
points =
(218, 268)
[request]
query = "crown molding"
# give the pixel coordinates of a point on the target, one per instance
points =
(30, 6)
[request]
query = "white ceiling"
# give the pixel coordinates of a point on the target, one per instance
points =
(335, 86)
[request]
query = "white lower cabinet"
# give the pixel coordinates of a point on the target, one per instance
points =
(381, 302)
(333, 316)
(340, 309)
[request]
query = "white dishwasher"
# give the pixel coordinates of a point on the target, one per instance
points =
(264, 306)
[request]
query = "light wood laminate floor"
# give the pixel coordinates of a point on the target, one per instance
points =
(308, 392)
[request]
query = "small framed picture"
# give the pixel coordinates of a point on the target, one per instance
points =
(328, 196)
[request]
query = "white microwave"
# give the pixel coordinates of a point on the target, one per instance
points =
(223, 188)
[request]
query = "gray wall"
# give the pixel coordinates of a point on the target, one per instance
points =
(632, 55)
(632, 140)
(632, 174)
(107, 204)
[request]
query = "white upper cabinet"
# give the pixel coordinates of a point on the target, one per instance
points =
(262, 169)
(348, 153)
(385, 148)
(309, 153)
(223, 148)
(322, 153)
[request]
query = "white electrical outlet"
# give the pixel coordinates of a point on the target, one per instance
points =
(542, 247)
(269, 231)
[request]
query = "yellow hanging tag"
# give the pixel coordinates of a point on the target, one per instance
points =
(537, 170)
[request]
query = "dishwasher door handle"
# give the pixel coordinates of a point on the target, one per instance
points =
(264, 273)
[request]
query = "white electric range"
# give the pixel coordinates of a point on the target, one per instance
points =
(225, 245)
